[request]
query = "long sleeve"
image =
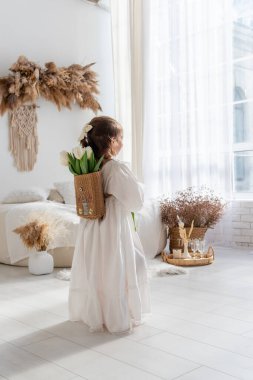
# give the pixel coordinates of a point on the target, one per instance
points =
(123, 185)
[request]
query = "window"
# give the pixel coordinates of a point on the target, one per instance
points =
(243, 96)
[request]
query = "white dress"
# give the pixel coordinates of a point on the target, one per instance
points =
(109, 276)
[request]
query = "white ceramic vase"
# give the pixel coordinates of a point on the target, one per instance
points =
(40, 263)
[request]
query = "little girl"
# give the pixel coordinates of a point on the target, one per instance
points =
(108, 285)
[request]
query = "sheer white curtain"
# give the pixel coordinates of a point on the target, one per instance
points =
(187, 95)
(128, 72)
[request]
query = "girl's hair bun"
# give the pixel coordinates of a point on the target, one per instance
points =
(84, 142)
(99, 138)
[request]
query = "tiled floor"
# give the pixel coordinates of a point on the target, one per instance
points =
(201, 328)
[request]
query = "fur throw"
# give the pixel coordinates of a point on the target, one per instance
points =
(61, 85)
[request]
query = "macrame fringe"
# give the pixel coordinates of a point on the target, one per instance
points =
(23, 138)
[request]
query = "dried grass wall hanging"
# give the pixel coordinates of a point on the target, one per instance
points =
(61, 85)
(23, 139)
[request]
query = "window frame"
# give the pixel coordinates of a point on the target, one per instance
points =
(241, 146)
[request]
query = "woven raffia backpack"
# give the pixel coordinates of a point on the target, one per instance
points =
(90, 202)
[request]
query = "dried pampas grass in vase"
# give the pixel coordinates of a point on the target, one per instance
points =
(41, 231)
(39, 234)
(34, 235)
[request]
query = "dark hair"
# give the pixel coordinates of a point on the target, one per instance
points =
(99, 137)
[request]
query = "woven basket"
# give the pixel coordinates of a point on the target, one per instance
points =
(90, 202)
(187, 262)
(176, 241)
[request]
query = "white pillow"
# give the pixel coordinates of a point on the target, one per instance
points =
(150, 229)
(67, 191)
(26, 195)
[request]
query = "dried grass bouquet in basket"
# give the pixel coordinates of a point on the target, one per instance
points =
(200, 205)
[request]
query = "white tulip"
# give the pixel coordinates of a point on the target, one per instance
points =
(89, 152)
(64, 160)
(78, 152)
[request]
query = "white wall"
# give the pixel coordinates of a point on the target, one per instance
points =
(66, 32)
(236, 227)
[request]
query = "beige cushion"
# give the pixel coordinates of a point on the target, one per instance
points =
(55, 196)
(67, 191)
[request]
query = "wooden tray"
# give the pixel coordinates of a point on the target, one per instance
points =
(187, 262)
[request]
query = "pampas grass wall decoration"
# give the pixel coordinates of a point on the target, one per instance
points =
(61, 85)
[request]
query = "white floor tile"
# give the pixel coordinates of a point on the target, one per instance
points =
(29, 315)
(204, 373)
(37, 336)
(154, 361)
(203, 334)
(249, 334)
(79, 333)
(215, 358)
(110, 369)
(17, 364)
(85, 362)
(234, 312)
(182, 301)
(143, 331)
(12, 329)
(211, 320)
(126, 351)
(244, 304)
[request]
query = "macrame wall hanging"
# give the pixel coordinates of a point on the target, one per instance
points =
(63, 86)
(23, 138)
